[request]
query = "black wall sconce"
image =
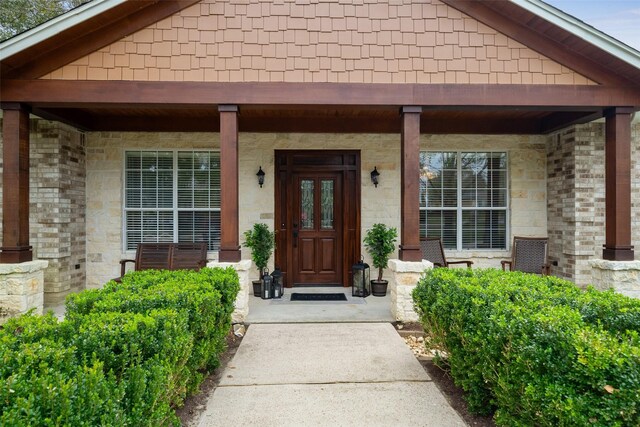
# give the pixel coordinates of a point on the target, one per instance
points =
(260, 176)
(374, 176)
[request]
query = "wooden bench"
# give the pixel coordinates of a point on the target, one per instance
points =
(167, 256)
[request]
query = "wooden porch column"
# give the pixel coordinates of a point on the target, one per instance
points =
(229, 239)
(15, 185)
(410, 184)
(618, 185)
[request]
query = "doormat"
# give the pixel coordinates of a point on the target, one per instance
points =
(318, 297)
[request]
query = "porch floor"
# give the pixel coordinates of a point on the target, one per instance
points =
(355, 309)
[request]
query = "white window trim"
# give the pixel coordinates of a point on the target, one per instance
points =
(459, 209)
(175, 208)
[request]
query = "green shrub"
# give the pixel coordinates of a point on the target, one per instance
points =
(206, 296)
(125, 355)
(537, 350)
(43, 384)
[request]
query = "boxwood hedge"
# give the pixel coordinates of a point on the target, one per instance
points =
(536, 351)
(125, 355)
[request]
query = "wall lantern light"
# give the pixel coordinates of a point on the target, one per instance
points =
(260, 176)
(374, 176)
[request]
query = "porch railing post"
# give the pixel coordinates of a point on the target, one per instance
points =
(15, 185)
(229, 233)
(410, 184)
(618, 185)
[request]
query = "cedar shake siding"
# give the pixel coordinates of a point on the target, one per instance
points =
(373, 42)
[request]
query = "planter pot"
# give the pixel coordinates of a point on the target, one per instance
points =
(379, 288)
(256, 288)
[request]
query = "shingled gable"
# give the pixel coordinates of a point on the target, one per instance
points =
(531, 22)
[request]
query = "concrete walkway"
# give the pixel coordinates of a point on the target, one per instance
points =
(329, 374)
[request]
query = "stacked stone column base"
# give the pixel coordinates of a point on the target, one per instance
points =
(21, 288)
(242, 300)
(622, 276)
(404, 278)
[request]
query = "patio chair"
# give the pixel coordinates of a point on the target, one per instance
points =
(529, 255)
(433, 251)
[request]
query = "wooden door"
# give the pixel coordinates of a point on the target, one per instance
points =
(317, 228)
(323, 185)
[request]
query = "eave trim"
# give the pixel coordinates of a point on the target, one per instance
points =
(55, 26)
(580, 29)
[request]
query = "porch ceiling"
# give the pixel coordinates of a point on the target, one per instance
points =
(326, 119)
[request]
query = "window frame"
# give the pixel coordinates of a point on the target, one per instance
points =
(174, 209)
(459, 208)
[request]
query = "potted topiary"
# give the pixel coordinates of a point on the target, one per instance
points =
(380, 243)
(262, 242)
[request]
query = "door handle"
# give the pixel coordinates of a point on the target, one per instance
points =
(295, 238)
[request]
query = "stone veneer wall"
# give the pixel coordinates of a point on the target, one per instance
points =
(576, 192)
(105, 154)
(57, 206)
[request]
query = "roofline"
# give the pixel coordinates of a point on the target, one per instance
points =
(580, 29)
(54, 26)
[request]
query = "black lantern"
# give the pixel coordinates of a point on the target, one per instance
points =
(278, 283)
(267, 284)
(361, 283)
(374, 176)
(260, 176)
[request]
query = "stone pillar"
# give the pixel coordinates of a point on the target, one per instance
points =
(21, 288)
(410, 185)
(404, 278)
(242, 300)
(229, 239)
(622, 276)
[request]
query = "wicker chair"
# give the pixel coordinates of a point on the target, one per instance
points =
(529, 255)
(433, 251)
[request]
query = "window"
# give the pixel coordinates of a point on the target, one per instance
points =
(172, 196)
(463, 199)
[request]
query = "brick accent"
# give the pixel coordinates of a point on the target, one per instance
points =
(57, 206)
(576, 198)
(367, 42)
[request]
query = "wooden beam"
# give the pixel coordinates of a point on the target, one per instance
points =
(15, 185)
(409, 185)
(229, 210)
(64, 93)
(617, 245)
